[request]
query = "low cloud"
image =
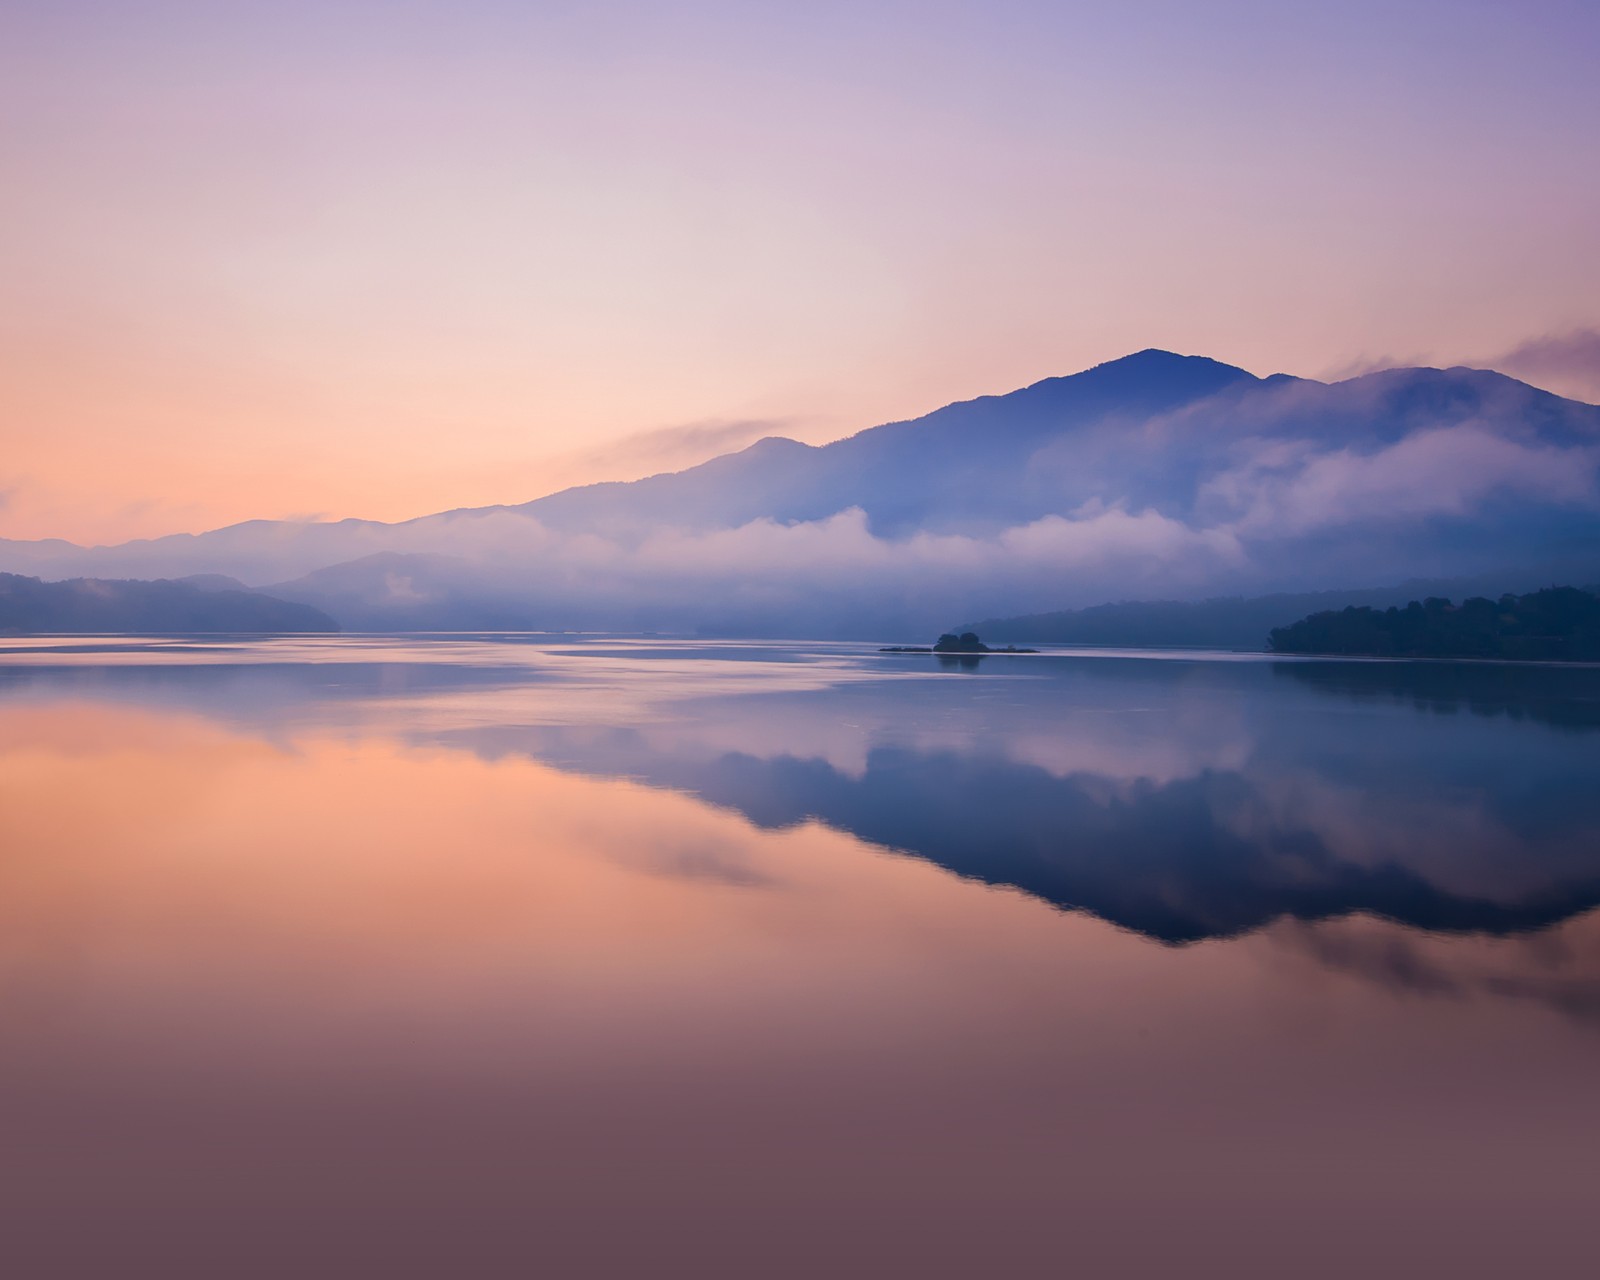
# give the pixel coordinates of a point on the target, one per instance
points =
(1100, 546)
(823, 576)
(1566, 363)
(1290, 488)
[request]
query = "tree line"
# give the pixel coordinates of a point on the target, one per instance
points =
(1557, 624)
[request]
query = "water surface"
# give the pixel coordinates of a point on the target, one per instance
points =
(508, 956)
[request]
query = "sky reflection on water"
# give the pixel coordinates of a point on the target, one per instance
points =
(630, 958)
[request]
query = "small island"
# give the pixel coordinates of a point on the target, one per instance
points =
(965, 643)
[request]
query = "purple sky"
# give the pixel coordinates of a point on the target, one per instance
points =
(363, 259)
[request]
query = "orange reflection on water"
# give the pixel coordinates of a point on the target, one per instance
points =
(265, 1006)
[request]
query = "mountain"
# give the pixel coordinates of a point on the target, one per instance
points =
(1157, 476)
(29, 606)
(970, 467)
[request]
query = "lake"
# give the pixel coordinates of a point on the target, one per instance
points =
(508, 955)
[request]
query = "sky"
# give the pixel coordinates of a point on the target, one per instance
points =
(356, 259)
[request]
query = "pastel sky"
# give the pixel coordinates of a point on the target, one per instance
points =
(385, 259)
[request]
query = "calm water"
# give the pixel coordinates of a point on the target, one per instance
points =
(486, 956)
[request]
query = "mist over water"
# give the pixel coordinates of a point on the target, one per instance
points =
(499, 955)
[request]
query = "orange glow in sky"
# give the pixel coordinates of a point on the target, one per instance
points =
(314, 261)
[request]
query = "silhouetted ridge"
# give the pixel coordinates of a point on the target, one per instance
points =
(29, 606)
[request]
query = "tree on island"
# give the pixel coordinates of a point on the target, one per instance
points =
(966, 642)
(965, 645)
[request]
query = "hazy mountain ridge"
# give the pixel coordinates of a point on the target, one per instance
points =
(92, 605)
(1155, 476)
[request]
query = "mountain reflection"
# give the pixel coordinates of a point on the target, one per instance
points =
(1211, 855)
(1183, 800)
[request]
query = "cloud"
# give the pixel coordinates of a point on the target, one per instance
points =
(667, 448)
(1290, 488)
(399, 589)
(1555, 971)
(825, 571)
(704, 864)
(1567, 363)
(1102, 546)
(1359, 366)
(828, 573)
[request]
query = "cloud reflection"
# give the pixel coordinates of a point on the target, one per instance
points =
(441, 964)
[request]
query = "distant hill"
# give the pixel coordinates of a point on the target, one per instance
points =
(393, 592)
(1558, 624)
(1236, 623)
(1153, 477)
(88, 605)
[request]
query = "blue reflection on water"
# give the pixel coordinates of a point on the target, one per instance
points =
(1184, 798)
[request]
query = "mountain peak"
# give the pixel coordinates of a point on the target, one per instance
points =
(1156, 362)
(1148, 381)
(776, 445)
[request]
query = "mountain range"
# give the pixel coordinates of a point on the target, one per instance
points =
(1157, 476)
